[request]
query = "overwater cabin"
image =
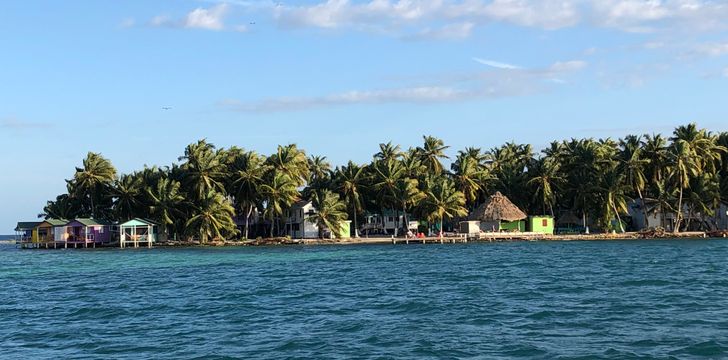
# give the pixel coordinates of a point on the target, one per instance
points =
(51, 232)
(136, 232)
(24, 232)
(88, 231)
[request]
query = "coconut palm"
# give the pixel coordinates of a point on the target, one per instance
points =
(683, 166)
(248, 171)
(388, 152)
(431, 152)
(632, 164)
(388, 182)
(212, 217)
(127, 192)
(545, 178)
(469, 176)
(63, 207)
(292, 162)
(319, 168)
(203, 170)
(350, 182)
(330, 213)
(702, 196)
(166, 203)
(278, 193)
(443, 201)
(93, 180)
(614, 196)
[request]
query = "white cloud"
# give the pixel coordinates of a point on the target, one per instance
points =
(712, 49)
(161, 20)
(496, 64)
(625, 15)
(725, 72)
(199, 18)
(209, 19)
(547, 14)
(501, 82)
(447, 32)
(568, 66)
(428, 94)
(127, 23)
(16, 124)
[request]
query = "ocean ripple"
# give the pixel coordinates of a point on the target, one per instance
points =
(571, 300)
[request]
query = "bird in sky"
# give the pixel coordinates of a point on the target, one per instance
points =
(166, 108)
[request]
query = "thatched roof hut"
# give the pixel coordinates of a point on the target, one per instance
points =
(568, 219)
(497, 208)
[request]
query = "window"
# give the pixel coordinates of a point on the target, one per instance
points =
(296, 227)
(391, 219)
(545, 222)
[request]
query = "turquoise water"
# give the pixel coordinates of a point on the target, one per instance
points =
(611, 300)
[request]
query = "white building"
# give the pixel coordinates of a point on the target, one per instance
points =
(298, 222)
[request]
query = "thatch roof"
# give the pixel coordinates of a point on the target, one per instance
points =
(498, 208)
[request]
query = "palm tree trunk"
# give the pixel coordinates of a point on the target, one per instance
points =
(404, 219)
(356, 228)
(247, 221)
(644, 208)
(441, 229)
(619, 220)
(678, 212)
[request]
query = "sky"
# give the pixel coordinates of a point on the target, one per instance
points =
(338, 77)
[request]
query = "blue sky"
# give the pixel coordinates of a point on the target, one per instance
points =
(338, 77)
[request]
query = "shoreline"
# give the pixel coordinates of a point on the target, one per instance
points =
(447, 240)
(430, 240)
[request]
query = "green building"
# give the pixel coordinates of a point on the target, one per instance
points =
(541, 224)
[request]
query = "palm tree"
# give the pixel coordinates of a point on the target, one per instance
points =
(292, 162)
(407, 195)
(94, 179)
(469, 175)
(247, 175)
(431, 152)
(350, 183)
(212, 217)
(703, 196)
(319, 168)
(166, 203)
(388, 152)
(683, 166)
(633, 165)
(615, 198)
(278, 193)
(443, 201)
(330, 213)
(127, 191)
(545, 178)
(203, 170)
(386, 176)
(63, 207)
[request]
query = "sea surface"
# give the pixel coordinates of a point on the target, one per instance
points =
(585, 300)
